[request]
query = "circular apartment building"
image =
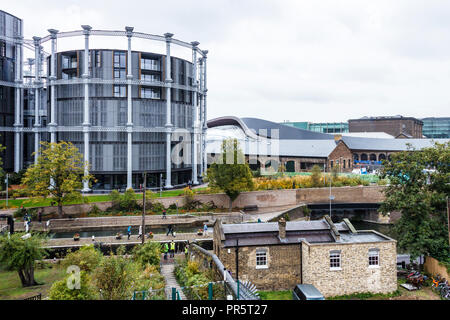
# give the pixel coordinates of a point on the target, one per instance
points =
(127, 111)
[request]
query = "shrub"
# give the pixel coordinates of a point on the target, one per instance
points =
(95, 211)
(158, 206)
(115, 277)
(61, 291)
(128, 200)
(115, 199)
(87, 258)
(149, 253)
(316, 175)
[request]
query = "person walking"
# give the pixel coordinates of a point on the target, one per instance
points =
(25, 224)
(129, 232)
(170, 230)
(165, 250)
(140, 232)
(186, 251)
(40, 215)
(205, 229)
(164, 214)
(172, 249)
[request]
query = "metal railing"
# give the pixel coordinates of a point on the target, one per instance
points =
(236, 289)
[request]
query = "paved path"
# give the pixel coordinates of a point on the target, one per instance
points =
(266, 214)
(183, 237)
(167, 270)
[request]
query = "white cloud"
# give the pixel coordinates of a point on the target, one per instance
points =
(298, 60)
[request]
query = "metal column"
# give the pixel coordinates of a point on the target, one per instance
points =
(86, 123)
(52, 79)
(18, 106)
(204, 126)
(169, 124)
(129, 31)
(37, 82)
(194, 115)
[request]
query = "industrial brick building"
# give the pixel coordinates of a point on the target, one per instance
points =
(334, 257)
(397, 126)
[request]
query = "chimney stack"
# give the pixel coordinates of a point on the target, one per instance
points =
(282, 228)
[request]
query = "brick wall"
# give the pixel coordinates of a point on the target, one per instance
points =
(283, 261)
(340, 154)
(355, 275)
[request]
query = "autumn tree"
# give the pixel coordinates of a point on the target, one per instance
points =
(19, 254)
(58, 173)
(230, 174)
(419, 185)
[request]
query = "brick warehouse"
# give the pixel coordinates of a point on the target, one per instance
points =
(333, 257)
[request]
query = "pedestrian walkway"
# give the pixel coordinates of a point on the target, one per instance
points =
(167, 271)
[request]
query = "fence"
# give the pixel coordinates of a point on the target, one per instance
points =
(238, 291)
(36, 297)
(433, 267)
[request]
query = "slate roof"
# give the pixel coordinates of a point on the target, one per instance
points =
(315, 231)
(356, 143)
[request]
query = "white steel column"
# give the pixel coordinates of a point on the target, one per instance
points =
(200, 96)
(18, 106)
(52, 79)
(130, 112)
(205, 90)
(37, 82)
(86, 123)
(194, 114)
(169, 125)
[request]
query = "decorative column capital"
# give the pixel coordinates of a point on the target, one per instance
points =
(168, 36)
(86, 29)
(37, 41)
(205, 53)
(53, 33)
(129, 31)
(194, 44)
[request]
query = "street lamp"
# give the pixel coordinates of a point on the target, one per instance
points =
(143, 207)
(6, 181)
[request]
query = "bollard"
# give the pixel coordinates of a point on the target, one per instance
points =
(174, 294)
(210, 291)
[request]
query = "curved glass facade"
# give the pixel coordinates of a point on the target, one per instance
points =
(10, 28)
(108, 111)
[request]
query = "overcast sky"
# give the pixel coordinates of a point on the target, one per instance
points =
(291, 60)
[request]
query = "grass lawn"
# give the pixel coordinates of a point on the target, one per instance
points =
(276, 295)
(11, 288)
(28, 203)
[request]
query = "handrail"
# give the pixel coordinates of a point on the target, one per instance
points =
(243, 293)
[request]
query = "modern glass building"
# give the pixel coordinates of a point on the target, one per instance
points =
(436, 127)
(323, 127)
(127, 111)
(11, 29)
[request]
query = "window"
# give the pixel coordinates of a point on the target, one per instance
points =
(98, 59)
(335, 260)
(149, 64)
(150, 93)
(120, 91)
(374, 257)
(261, 259)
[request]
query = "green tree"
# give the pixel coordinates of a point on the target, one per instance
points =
(21, 255)
(231, 173)
(62, 164)
(87, 258)
(148, 253)
(419, 185)
(115, 277)
(61, 290)
(316, 176)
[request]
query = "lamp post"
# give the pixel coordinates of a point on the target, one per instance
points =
(6, 181)
(143, 208)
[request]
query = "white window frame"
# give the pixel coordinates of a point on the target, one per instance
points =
(261, 253)
(372, 254)
(335, 258)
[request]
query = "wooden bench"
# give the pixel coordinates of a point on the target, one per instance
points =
(252, 207)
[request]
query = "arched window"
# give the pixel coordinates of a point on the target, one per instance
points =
(373, 157)
(363, 157)
(355, 157)
(381, 156)
(290, 166)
